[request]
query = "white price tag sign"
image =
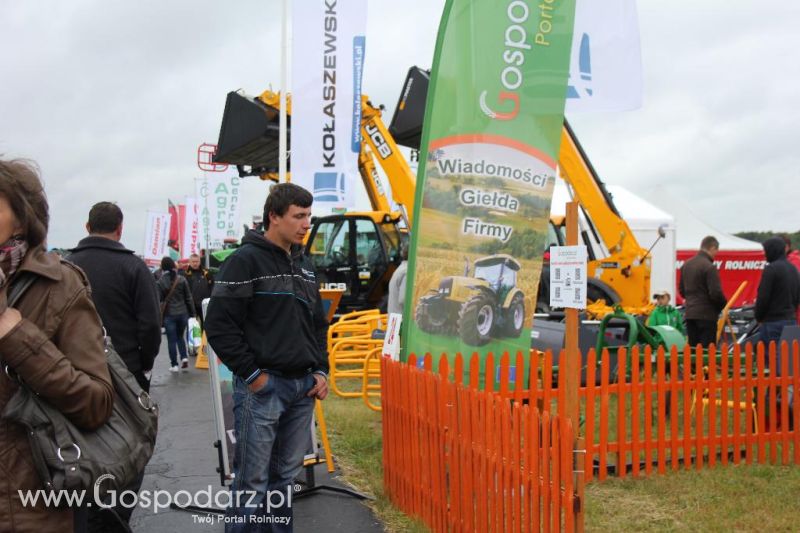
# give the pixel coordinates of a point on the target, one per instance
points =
(568, 276)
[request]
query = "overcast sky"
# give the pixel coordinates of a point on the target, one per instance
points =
(112, 98)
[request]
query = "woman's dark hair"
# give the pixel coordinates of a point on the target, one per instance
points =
(21, 186)
(167, 264)
(281, 196)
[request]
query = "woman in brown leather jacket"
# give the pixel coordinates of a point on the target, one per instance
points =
(52, 341)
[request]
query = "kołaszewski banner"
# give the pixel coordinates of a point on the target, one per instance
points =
(491, 136)
(328, 39)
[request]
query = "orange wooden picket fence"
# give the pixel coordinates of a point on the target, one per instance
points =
(461, 459)
(499, 459)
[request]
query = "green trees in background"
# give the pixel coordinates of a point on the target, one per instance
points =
(761, 236)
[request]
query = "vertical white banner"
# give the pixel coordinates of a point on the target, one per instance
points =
(191, 228)
(201, 195)
(218, 198)
(328, 40)
(155, 239)
(606, 64)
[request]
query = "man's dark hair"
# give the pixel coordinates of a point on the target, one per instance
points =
(709, 243)
(786, 240)
(281, 196)
(104, 217)
(21, 186)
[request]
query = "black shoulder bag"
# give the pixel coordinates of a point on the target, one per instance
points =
(69, 458)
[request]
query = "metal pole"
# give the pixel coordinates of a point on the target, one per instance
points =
(282, 148)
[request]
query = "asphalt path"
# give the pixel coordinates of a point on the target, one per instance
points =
(185, 460)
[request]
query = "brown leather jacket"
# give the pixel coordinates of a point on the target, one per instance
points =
(701, 288)
(57, 349)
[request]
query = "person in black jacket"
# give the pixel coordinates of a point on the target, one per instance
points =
(778, 292)
(123, 290)
(178, 306)
(124, 293)
(265, 321)
(702, 289)
(200, 283)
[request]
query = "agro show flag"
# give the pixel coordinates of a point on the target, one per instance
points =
(157, 232)
(606, 66)
(218, 196)
(328, 39)
(190, 241)
(491, 135)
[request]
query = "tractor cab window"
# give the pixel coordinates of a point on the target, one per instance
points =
(369, 250)
(555, 236)
(331, 246)
(392, 240)
(499, 276)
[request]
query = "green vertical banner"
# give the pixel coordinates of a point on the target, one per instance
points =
(493, 121)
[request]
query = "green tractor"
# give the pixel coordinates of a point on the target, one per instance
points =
(476, 308)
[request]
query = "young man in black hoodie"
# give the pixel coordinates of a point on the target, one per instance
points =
(778, 292)
(265, 321)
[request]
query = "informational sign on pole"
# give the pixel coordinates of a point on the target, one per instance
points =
(391, 342)
(568, 276)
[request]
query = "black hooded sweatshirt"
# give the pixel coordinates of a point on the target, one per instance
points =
(266, 312)
(779, 290)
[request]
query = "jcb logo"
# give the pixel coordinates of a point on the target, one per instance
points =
(377, 139)
(334, 287)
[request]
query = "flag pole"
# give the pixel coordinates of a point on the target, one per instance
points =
(282, 144)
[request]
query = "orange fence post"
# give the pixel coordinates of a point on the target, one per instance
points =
(773, 397)
(688, 398)
(796, 399)
(699, 390)
(749, 384)
(604, 405)
(784, 379)
(725, 402)
(661, 385)
(761, 379)
(621, 434)
(589, 429)
(712, 406)
(635, 440)
(674, 417)
(648, 410)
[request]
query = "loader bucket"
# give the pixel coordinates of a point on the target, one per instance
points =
(406, 125)
(249, 134)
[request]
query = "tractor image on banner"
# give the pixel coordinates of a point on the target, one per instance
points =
(491, 135)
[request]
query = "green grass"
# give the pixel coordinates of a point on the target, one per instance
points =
(356, 442)
(733, 498)
(740, 498)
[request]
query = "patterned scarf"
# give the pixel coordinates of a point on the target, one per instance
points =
(11, 254)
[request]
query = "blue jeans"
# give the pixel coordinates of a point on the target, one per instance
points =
(176, 336)
(771, 331)
(273, 433)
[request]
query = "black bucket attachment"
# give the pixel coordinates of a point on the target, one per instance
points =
(406, 125)
(249, 135)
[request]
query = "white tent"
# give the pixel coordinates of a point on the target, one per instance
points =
(691, 229)
(644, 219)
